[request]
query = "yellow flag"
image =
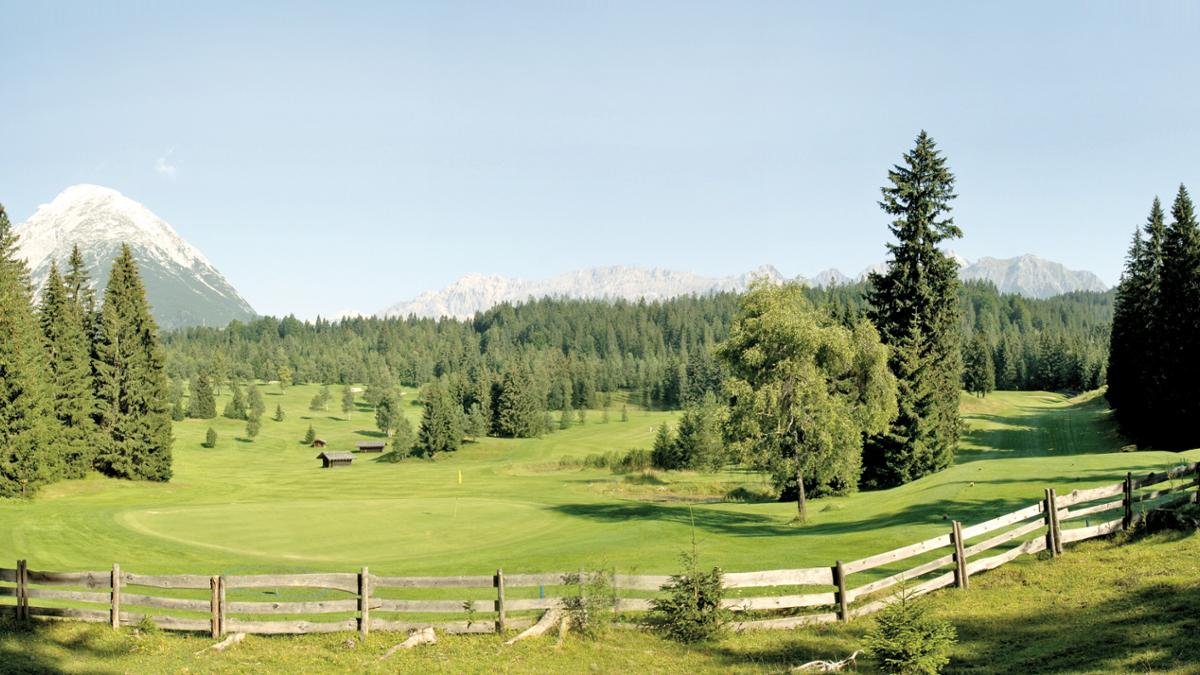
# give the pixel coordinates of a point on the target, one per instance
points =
(460, 476)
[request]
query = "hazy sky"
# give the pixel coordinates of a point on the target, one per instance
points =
(329, 158)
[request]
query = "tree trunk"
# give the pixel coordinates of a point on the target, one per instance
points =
(801, 502)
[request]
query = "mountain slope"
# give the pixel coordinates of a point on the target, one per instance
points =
(183, 287)
(1031, 276)
(476, 292)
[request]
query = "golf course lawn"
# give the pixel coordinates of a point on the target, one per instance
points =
(267, 506)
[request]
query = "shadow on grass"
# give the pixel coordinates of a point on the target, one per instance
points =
(34, 647)
(1084, 427)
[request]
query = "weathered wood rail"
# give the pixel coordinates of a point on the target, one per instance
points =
(361, 601)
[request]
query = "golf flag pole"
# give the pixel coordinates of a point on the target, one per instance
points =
(460, 476)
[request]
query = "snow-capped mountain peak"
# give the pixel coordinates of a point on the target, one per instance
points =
(183, 286)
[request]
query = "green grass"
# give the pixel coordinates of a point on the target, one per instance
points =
(1105, 606)
(266, 506)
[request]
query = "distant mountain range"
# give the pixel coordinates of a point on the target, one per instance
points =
(183, 287)
(1027, 275)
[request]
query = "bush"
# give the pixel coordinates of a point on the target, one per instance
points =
(690, 610)
(210, 438)
(595, 461)
(569, 462)
(589, 601)
(633, 461)
(907, 640)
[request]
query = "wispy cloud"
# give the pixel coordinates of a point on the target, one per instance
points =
(165, 166)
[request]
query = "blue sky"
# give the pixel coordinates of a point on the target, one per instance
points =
(329, 158)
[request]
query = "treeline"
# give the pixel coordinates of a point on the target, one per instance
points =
(574, 350)
(1154, 360)
(81, 387)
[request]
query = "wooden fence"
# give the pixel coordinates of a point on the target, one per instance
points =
(334, 602)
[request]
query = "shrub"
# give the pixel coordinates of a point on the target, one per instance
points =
(595, 461)
(569, 462)
(310, 435)
(636, 459)
(690, 610)
(589, 601)
(210, 438)
(906, 639)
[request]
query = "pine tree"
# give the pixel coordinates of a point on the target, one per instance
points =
(278, 413)
(310, 435)
(665, 453)
(566, 417)
(70, 363)
(79, 286)
(253, 426)
(477, 422)
(518, 406)
(131, 382)
(915, 306)
(235, 409)
(441, 423)
(27, 422)
(979, 371)
(624, 413)
(387, 412)
(347, 401)
(257, 405)
(210, 438)
(402, 438)
(1177, 322)
(201, 402)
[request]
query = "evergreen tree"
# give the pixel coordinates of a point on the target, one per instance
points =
(1177, 323)
(131, 382)
(70, 364)
(698, 436)
(477, 422)
(441, 423)
(565, 419)
(387, 412)
(402, 438)
(915, 306)
(201, 402)
(979, 372)
(665, 453)
(518, 406)
(210, 438)
(27, 422)
(347, 401)
(278, 413)
(310, 435)
(235, 409)
(257, 405)
(253, 426)
(581, 416)
(624, 413)
(79, 286)
(284, 375)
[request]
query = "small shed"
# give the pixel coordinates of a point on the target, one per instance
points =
(371, 446)
(330, 460)
(318, 443)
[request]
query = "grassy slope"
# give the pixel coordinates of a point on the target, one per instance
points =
(266, 506)
(1103, 607)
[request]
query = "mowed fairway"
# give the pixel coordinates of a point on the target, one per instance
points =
(267, 506)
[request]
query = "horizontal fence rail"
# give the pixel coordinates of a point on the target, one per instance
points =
(339, 601)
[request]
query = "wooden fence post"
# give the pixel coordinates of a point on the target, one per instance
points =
(364, 603)
(22, 591)
(116, 597)
(500, 614)
(1051, 519)
(960, 557)
(214, 606)
(1127, 502)
(839, 578)
(221, 605)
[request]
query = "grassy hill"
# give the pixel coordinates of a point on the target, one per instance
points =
(267, 506)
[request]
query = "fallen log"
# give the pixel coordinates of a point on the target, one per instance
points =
(543, 626)
(421, 636)
(224, 644)
(827, 666)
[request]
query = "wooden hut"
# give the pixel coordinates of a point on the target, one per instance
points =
(318, 443)
(330, 460)
(371, 446)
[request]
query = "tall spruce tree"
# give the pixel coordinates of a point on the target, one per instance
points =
(201, 402)
(518, 411)
(132, 390)
(70, 362)
(441, 422)
(27, 424)
(1134, 376)
(1177, 325)
(915, 306)
(979, 371)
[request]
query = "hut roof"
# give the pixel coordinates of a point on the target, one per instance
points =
(371, 444)
(335, 455)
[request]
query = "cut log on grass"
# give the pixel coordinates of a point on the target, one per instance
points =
(225, 644)
(543, 626)
(827, 666)
(423, 636)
